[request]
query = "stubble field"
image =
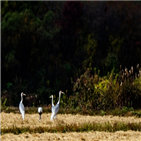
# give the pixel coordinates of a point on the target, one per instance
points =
(9, 120)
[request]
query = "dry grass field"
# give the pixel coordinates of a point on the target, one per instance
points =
(74, 136)
(32, 120)
(9, 120)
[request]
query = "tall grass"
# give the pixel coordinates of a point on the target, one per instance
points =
(108, 127)
(3, 105)
(90, 91)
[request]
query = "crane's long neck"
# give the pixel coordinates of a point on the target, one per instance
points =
(21, 98)
(52, 100)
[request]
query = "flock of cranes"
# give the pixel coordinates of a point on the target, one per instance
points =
(54, 109)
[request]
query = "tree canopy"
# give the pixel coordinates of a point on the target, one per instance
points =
(46, 44)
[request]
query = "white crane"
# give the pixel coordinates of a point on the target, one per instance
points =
(55, 108)
(52, 103)
(21, 106)
(40, 111)
(52, 108)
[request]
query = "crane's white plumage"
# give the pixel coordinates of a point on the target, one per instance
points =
(21, 106)
(40, 110)
(55, 108)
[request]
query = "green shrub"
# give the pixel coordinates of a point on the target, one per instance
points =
(3, 105)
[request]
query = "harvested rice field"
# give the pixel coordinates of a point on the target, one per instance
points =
(32, 120)
(8, 120)
(74, 136)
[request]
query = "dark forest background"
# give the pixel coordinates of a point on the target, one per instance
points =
(47, 45)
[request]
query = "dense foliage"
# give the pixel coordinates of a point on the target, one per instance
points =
(108, 92)
(47, 44)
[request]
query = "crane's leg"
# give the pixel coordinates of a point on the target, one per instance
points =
(52, 116)
(40, 117)
(55, 116)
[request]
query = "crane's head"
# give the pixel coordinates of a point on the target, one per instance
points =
(51, 96)
(60, 92)
(23, 94)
